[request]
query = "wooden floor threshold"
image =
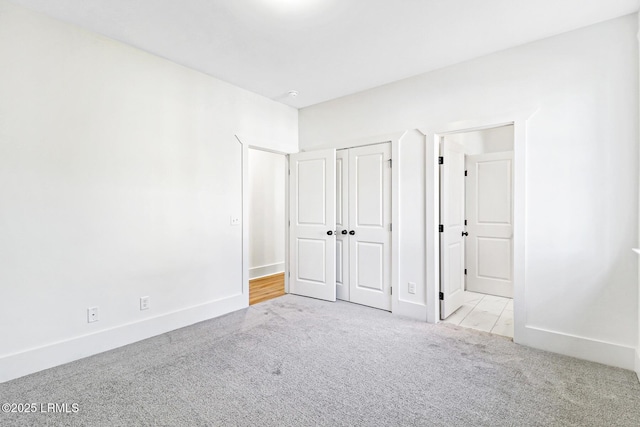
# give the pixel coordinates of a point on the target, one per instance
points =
(266, 288)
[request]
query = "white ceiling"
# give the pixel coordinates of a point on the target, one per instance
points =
(326, 48)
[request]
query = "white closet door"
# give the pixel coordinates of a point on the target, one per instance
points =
(342, 224)
(452, 219)
(312, 214)
(490, 223)
(369, 225)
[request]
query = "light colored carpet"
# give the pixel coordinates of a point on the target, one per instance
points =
(296, 361)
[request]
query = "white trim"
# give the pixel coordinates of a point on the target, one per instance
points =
(359, 142)
(410, 309)
(637, 356)
(287, 228)
(434, 133)
(432, 220)
(37, 359)
(608, 353)
(245, 218)
(396, 306)
(266, 270)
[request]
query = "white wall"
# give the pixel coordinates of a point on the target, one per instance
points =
(119, 172)
(581, 172)
(485, 141)
(266, 213)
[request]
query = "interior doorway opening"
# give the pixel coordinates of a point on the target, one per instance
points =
(267, 174)
(476, 231)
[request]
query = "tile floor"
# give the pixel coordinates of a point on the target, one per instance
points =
(487, 313)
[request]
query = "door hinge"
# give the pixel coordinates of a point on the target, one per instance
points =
(441, 228)
(390, 162)
(465, 271)
(289, 171)
(289, 274)
(441, 160)
(390, 227)
(465, 222)
(465, 173)
(441, 296)
(390, 291)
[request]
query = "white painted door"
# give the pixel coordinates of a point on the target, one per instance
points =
(369, 225)
(452, 251)
(312, 213)
(490, 223)
(342, 224)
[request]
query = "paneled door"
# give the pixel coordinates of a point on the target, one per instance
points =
(369, 221)
(342, 224)
(490, 223)
(312, 231)
(452, 228)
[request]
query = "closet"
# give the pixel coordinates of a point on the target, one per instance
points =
(340, 231)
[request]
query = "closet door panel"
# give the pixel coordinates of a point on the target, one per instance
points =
(369, 189)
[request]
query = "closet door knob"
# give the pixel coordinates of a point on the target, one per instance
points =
(464, 233)
(352, 233)
(330, 233)
(344, 231)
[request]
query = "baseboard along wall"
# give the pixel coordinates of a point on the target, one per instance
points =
(607, 353)
(266, 270)
(37, 359)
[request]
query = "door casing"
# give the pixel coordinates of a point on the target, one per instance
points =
(434, 134)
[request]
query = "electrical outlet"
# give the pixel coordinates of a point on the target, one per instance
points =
(412, 288)
(93, 314)
(235, 220)
(144, 303)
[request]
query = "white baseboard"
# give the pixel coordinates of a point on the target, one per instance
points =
(607, 353)
(266, 270)
(37, 359)
(638, 363)
(411, 310)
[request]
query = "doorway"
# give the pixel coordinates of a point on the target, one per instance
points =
(267, 211)
(476, 231)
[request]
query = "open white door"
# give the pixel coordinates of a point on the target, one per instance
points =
(342, 225)
(490, 223)
(369, 225)
(452, 213)
(312, 252)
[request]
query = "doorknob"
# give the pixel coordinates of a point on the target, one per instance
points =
(330, 233)
(344, 231)
(464, 233)
(352, 232)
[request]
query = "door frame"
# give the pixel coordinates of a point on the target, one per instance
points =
(434, 135)
(245, 214)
